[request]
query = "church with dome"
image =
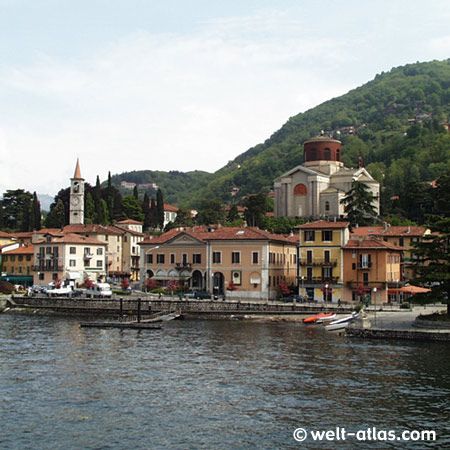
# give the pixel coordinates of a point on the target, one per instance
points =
(315, 188)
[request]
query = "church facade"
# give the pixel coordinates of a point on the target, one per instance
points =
(315, 188)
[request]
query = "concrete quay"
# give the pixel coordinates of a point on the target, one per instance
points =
(400, 325)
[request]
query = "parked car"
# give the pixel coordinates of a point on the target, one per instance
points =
(200, 295)
(99, 290)
(296, 298)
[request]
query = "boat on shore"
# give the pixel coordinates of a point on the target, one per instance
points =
(319, 318)
(342, 323)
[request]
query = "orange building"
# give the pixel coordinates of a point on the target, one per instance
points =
(209, 259)
(17, 264)
(372, 268)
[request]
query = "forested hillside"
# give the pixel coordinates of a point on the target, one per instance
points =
(395, 122)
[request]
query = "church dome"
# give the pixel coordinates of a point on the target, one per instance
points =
(322, 149)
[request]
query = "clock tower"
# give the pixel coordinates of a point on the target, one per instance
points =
(77, 198)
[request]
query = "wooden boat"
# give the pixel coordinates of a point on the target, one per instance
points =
(319, 318)
(340, 324)
(121, 325)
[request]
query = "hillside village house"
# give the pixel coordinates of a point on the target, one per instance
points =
(67, 256)
(315, 188)
(209, 259)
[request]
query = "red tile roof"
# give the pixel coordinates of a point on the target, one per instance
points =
(92, 229)
(129, 221)
(401, 231)
(323, 224)
(72, 238)
(170, 208)
(372, 243)
(223, 233)
(26, 249)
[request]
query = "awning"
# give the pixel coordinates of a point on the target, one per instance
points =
(18, 279)
(414, 290)
(73, 275)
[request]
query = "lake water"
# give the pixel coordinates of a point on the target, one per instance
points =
(212, 385)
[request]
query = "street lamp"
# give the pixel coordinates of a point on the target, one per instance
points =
(374, 304)
(326, 293)
(397, 293)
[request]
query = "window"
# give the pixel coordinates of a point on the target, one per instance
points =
(172, 258)
(73, 250)
(100, 263)
(28, 257)
(150, 259)
(217, 257)
(160, 258)
(99, 251)
(326, 256)
(364, 261)
(196, 258)
(401, 242)
(72, 263)
(327, 272)
(255, 257)
(87, 263)
(327, 235)
(87, 251)
(310, 235)
(327, 206)
(41, 276)
(185, 259)
(309, 257)
(366, 278)
(309, 272)
(13, 258)
(20, 257)
(48, 250)
(125, 238)
(235, 257)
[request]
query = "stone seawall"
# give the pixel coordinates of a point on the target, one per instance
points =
(415, 335)
(188, 307)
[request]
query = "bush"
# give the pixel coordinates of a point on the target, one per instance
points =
(120, 292)
(405, 306)
(6, 287)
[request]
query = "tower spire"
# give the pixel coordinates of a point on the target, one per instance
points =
(77, 171)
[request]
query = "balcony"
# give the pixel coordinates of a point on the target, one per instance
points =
(318, 262)
(183, 266)
(320, 280)
(364, 266)
(52, 268)
(88, 256)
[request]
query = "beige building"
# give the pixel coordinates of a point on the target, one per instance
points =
(132, 235)
(315, 188)
(206, 258)
(67, 256)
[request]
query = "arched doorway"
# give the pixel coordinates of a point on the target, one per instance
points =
(218, 283)
(150, 274)
(197, 280)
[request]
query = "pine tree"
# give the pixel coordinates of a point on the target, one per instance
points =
(56, 217)
(110, 197)
(136, 192)
(160, 209)
(359, 204)
(35, 218)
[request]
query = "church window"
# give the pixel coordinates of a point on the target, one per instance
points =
(300, 189)
(327, 154)
(313, 155)
(327, 206)
(338, 155)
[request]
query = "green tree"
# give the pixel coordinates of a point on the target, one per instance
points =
(35, 217)
(210, 212)
(110, 195)
(233, 214)
(442, 194)
(89, 210)
(147, 212)
(132, 208)
(99, 211)
(136, 193)
(256, 208)
(17, 209)
(359, 204)
(2, 222)
(56, 218)
(160, 209)
(432, 266)
(153, 214)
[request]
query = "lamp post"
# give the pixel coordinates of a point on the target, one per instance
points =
(326, 294)
(397, 293)
(145, 262)
(374, 304)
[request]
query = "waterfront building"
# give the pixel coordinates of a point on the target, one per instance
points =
(170, 213)
(315, 188)
(112, 237)
(207, 258)
(67, 256)
(321, 264)
(403, 236)
(132, 235)
(372, 269)
(17, 263)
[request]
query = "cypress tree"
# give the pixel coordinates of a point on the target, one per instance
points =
(99, 217)
(160, 209)
(35, 216)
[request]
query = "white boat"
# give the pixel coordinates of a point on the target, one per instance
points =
(340, 324)
(326, 319)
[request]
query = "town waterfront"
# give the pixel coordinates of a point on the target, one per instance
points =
(212, 384)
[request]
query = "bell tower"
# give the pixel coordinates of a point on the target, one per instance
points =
(77, 198)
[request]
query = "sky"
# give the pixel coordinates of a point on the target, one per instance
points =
(183, 85)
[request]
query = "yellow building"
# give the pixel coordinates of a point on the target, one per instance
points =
(321, 273)
(206, 258)
(17, 264)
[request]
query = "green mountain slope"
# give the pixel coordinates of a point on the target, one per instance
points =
(381, 113)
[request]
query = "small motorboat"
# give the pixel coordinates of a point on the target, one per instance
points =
(319, 318)
(340, 324)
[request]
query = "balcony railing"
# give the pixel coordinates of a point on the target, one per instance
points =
(320, 280)
(318, 262)
(51, 268)
(364, 266)
(88, 256)
(183, 266)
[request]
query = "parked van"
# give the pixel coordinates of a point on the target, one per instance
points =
(99, 290)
